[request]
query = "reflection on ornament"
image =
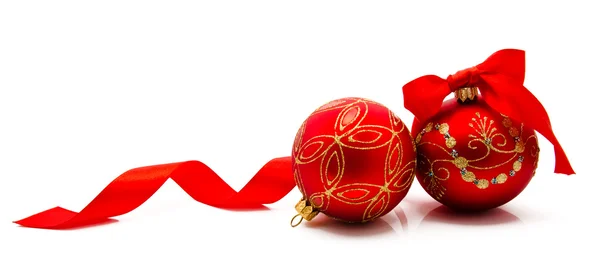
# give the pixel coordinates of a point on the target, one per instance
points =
(443, 214)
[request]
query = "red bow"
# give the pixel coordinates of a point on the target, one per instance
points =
(500, 81)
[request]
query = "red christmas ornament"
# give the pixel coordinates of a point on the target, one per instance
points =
(473, 158)
(478, 152)
(353, 160)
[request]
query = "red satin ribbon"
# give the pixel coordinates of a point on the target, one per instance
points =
(132, 188)
(500, 81)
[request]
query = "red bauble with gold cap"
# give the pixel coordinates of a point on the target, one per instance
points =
(354, 160)
(472, 157)
(480, 150)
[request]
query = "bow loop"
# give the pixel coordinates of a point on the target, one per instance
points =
(463, 78)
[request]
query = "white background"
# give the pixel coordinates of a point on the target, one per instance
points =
(90, 89)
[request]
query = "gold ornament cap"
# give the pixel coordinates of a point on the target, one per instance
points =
(466, 94)
(305, 212)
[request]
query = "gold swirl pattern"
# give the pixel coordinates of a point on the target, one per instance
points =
(485, 133)
(349, 132)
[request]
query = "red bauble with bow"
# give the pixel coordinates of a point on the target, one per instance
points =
(479, 150)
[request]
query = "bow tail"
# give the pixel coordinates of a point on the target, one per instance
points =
(537, 118)
(520, 104)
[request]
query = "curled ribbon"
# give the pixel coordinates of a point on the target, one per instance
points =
(132, 188)
(500, 81)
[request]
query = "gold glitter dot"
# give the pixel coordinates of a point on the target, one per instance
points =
(461, 162)
(483, 184)
(444, 128)
(429, 127)
(519, 147)
(450, 142)
(517, 166)
(418, 138)
(507, 122)
(469, 177)
(513, 131)
(501, 178)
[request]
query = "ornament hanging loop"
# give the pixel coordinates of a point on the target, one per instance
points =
(305, 212)
(297, 222)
